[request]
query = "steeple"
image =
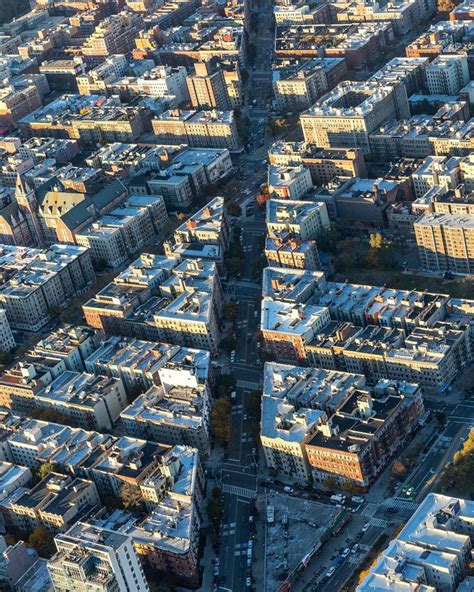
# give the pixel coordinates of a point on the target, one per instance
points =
(28, 205)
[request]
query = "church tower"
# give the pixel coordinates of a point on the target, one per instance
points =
(26, 198)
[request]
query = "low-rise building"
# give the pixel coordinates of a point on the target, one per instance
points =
(287, 327)
(292, 253)
(289, 182)
(184, 309)
(198, 129)
(432, 551)
(323, 164)
(57, 501)
(36, 281)
(297, 87)
(357, 441)
(294, 402)
(116, 237)
(301, 219)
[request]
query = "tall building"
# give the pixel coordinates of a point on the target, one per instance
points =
(346, 116)
(114, 35)
(446, 242)
(447, 74)
(207, 87)
(94, 559)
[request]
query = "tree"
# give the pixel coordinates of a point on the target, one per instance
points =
(351, 488)
(42, 541)
(132, 498)
(251, 53)
(215, 509)
(234, 209)
(46, 469)
(5, 358)
(330, 483)
(376, 241)
(230, 310)
(220, 420)
(234, 265)
(255, 404)
(399, 470)
(224, 383)
(228, 344)
(461, 471)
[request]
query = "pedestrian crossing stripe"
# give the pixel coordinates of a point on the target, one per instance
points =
(247, 384)
(242, 491)
(380, 522)
(402, 504)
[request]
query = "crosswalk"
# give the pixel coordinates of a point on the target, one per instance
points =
(401, 504)
(369, 510)
(379, 522)
(242, 491)
(248, 385)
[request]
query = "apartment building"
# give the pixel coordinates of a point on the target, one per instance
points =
(104, 125)
(15, 103)
(12, 477)
(207, 87)
(404, 16)
(297, 87)
(421, 136)
(116, 237)
(89, 557)
(295, 285)
(36, 281)
(359, 44)
(143, 364)
(323, 164)
(430, 357)
(301, 219)
(7, 341)
(92, 402)
(167, 540)
(446, 242)
(57, 501)
(346, 116)
(40, 149)
(162, 81)
(96, 79)
(294, 402)
(287, 327)
(357, 441)
(292, 253)
(289, 182)
(171, 414)
(204, 235)
(68, 345)
(432, 551)
(114, 35)
(447, 74)
(184, 309)
(198, 129)
(62, 74)
(439, 171)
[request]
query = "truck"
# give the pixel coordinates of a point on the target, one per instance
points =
(337, 498)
